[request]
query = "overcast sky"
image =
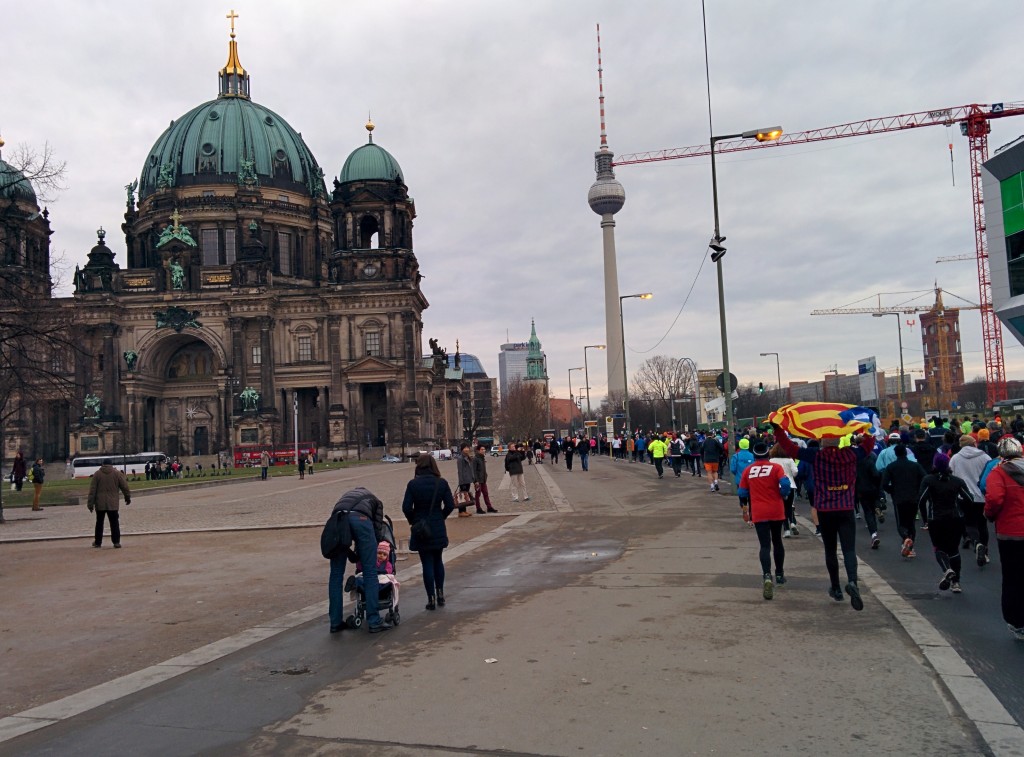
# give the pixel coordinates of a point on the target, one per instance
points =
(491, 109)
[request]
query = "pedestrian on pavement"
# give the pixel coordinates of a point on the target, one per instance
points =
(1004, 505)
(104, 497)
(464, 465)
(694, 445)
(38, 476)
(944, 497)
(19, 471)
(640, 448)
(429, 498)
(677, 454)
(555, 448)
(583, 450)
(969, 464)
(480, 479)
(869, 490)
(658, 449)
(788, 465)
(570, 451)
(302, 467)
(514, 468)
(713, 452)
(365, 516)
(739, 462)
(763, 486)
(902, 479)
(264, 464)
(835, 480)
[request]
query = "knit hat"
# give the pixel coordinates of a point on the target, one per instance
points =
(983, 435)
(384, 547)
(967, 441)
(760, 449)
(894, 436)
(940, 463)
(744, 444)
(1009, 448)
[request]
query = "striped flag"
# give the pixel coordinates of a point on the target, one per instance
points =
(818, 420)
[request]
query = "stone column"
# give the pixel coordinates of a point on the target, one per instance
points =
(267, 367)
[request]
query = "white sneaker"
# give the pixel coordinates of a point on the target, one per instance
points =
(786, 534)
(795, 530)
(515, 499)
(526, 500)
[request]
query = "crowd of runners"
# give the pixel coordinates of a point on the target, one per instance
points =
(948, 478)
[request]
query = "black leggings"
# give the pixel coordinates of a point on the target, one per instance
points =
(945, 534)
(769, 534)
(975, 523)
(1011, 558)
(790, 508)
(433, 570)
(906, 513)
(843, 525)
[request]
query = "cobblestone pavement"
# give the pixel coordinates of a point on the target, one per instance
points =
(276, 503)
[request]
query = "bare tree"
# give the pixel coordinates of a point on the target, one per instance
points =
(657, 382)
(522, 414)
(40, 167)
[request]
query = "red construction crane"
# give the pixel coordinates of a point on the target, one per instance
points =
(974, 124)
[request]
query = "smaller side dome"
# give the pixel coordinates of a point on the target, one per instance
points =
(371, 162)
(13, 184)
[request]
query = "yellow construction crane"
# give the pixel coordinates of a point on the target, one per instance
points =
(942, 388)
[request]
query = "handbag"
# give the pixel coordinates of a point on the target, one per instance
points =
(462, 498)
(422, 529)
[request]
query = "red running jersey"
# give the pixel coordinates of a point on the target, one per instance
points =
(761, 479)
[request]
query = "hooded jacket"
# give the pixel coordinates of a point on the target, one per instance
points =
(969, 463)
(944, 496)
(1004, 499)
(739, 462)
(902, 479)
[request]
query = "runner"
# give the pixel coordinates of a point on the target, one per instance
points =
(788, 466)
(712, 452)
(763, 484)
(968, 464)
(869, 489)
(835, 476)
(657, 449)
(1004, 504)
(738, 463)
(943, 496)
(902, 480)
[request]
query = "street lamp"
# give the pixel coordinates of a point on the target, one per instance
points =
(625, 376)
(586, 371)
(899, 333)
(778, 371)
(718, 252)
(572, 415)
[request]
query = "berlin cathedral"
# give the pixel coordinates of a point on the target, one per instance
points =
(251, 301)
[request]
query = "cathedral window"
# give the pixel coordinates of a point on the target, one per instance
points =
(284, 247)
(305, 348)
(211, 246)
(229, 246)
(373, 343)
(368, 233)
(257, 354)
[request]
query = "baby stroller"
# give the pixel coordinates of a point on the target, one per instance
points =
(388, 587)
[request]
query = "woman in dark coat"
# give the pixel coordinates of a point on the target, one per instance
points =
(429, 497)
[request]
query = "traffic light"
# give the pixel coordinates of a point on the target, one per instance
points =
(760, 387)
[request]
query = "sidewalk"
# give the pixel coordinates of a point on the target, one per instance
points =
(626, 620)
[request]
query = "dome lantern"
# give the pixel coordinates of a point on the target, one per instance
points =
(233, 78)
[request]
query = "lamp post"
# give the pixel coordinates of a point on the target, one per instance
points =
(718, 252)
(625, 376)
(572, 414)
(778, 371)
(899, 333)
(586, 371)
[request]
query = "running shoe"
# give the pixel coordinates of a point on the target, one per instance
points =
(947, 579)
(786, 534)
(858, 515)
(794, 529)
(716, 486)
(875, 541)
(836, 593)
(1017, 633)
(956, 587)
(855, 601)
(769, 587)
(817, 531)
(967, 544)
(924, 527)
(780, 579)
(908, 547)
(982, 552)
(912, 554)
(879, 515)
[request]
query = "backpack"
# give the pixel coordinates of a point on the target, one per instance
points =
(336, 538)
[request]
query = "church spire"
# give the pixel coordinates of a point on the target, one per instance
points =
(234, 80)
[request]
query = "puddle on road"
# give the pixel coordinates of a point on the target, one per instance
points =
(602, 551)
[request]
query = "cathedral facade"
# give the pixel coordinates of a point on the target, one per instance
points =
(252, 301)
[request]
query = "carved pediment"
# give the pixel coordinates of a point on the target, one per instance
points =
(372, 369)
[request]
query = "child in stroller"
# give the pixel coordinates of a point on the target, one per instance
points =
(388, 583)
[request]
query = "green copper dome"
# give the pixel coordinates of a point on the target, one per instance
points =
(14, 185)
(231, 140)
(371, 162)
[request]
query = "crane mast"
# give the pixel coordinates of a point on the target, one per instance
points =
(975, 124)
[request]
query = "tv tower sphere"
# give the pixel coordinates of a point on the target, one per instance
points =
(606, 195)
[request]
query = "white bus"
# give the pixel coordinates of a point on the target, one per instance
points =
(85, 466)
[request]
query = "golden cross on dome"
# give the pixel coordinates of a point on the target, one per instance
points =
(175, 216)
(231, 17)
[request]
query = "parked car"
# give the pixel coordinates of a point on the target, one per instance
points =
(442, 454)
(391, 459)
(499, 449)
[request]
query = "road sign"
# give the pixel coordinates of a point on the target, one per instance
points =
(907, 417)
(720, 381)
(618, 415)
(589, 424)
(607, 420)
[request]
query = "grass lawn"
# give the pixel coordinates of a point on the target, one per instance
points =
(62, 491)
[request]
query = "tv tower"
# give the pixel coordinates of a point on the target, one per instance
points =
(606, 198)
